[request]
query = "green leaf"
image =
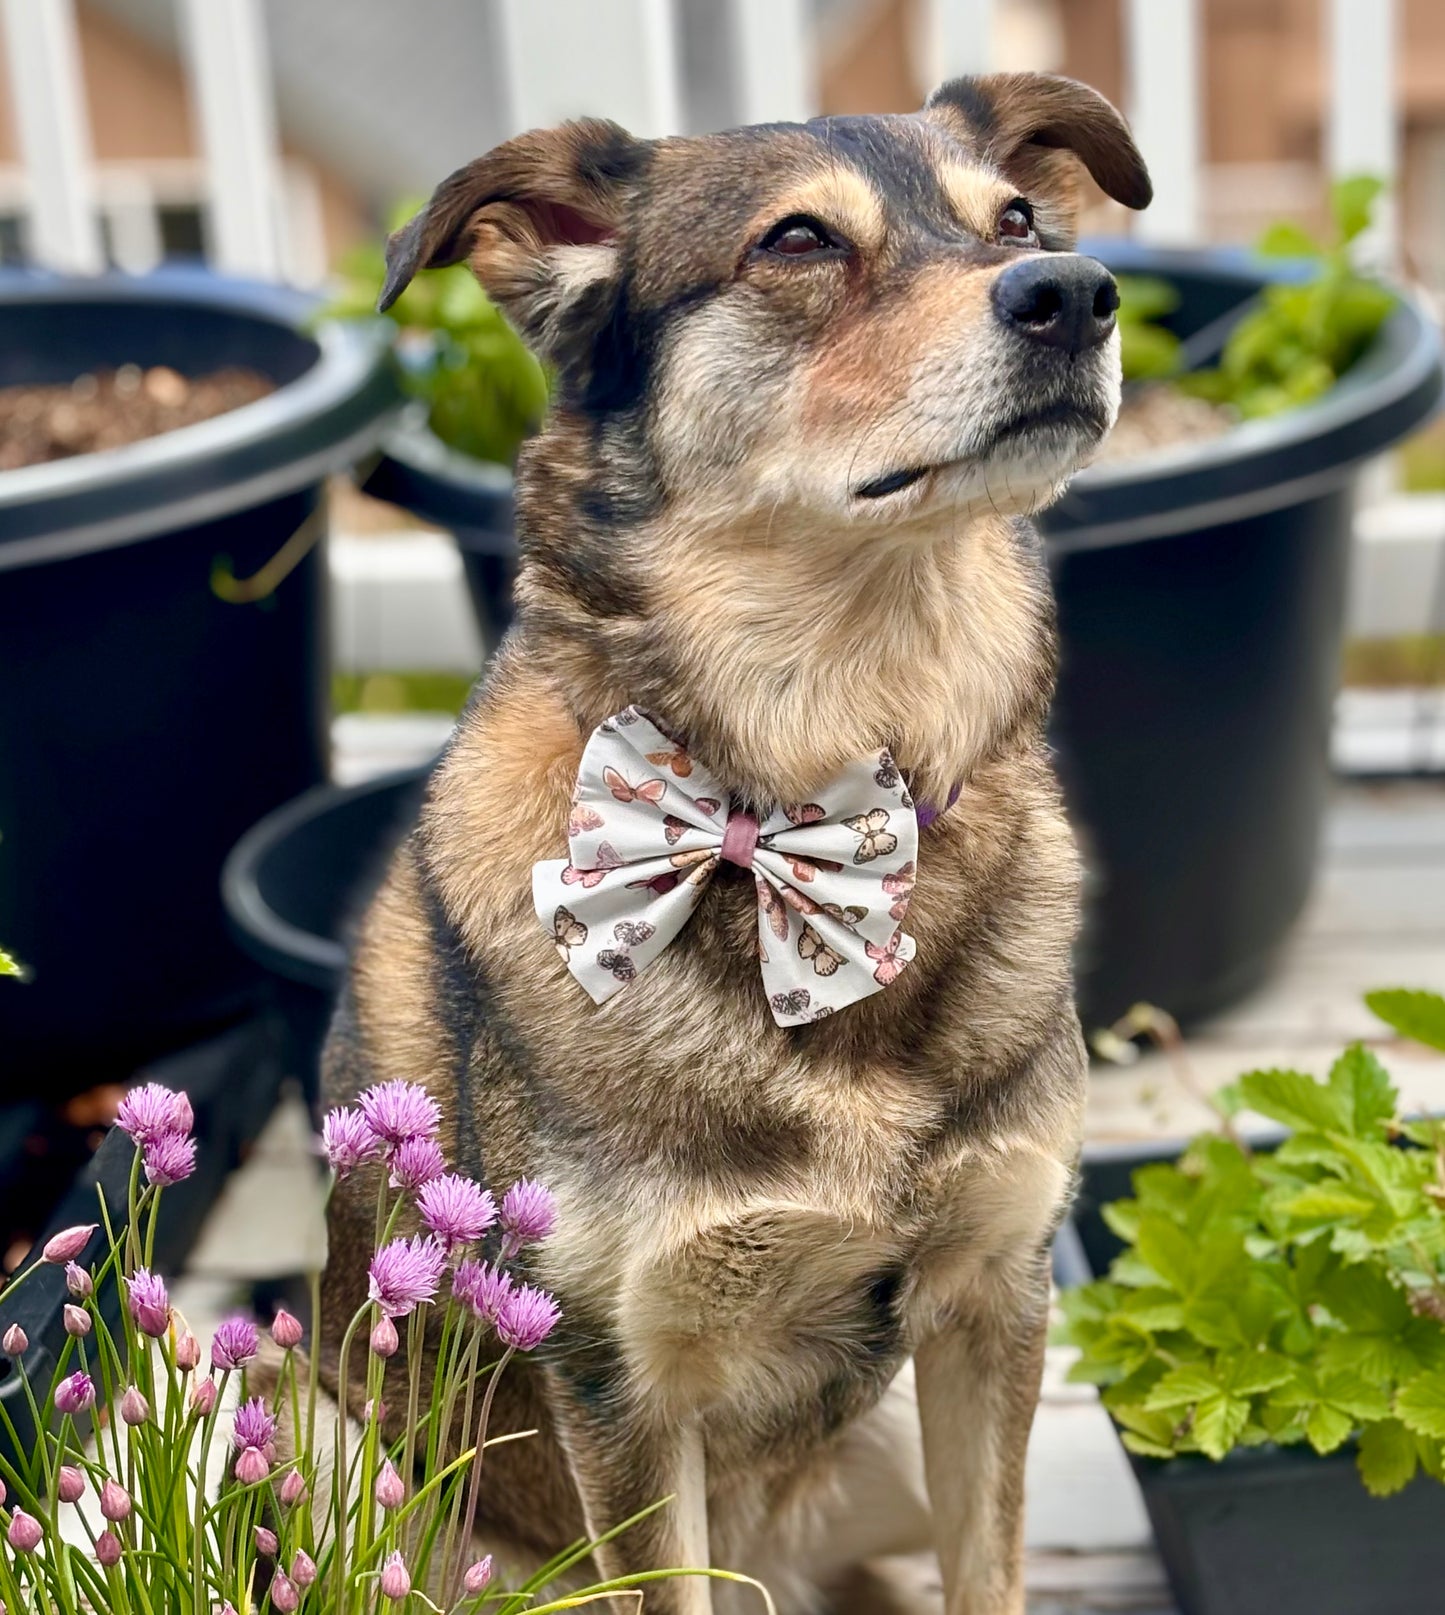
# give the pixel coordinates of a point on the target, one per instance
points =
(1352, 202)
(9, 965)
(1327, 1427)
(1387, 1457)
(1252, 1372)
(1293, 1098)
(1419, 1016)
(1363, 1089)
(1288, 240)
(1325, 1202)
(1180, 1387)
(1144, 1446)
(1218, 1423)
(1154, 1309)
(1420, 1405)
(1167, 1251)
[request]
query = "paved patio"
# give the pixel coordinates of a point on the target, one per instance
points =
(1377, 919)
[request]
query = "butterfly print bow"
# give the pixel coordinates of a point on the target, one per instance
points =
(649, 829)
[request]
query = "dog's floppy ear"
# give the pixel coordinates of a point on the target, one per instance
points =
(535, 218)
(1022, 122)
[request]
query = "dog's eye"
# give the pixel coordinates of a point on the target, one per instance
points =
(1016, 223)
(799, 237)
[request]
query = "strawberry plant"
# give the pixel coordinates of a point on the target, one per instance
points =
(1293, 1295)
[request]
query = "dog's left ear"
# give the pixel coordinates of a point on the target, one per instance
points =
(536, 219)
(1032, 126)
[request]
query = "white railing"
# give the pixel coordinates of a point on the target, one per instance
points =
(564, 57)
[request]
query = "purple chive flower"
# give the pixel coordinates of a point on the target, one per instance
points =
(25, 1532)
(169, 1159)
(284, 1595)
(114, 1502)
(65, 1246)
(405, 1273)
(395, 1577)
(390, 1492)
(456, 1210)
(252, 1466)
(400, 1110)
(266, 1541)
(78, 1281)
(253, 1426)
(234, 1344)
(482, 1287)
(150, 1306)
(477, 1576)
(528, 1315)
(153, 1111)
(385, 1341)
(15, 1341)
(203, 1397)
(76, 1320)
(134, 1408)
(69, 1484)
(286, 1330)
(188, 1352)
(293, 1490)
(108, 1548)
(529, 1213)
(74, 1394)
(347, 1140)
(303, 1566)
(416, 1162)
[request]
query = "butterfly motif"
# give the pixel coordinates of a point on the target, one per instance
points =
(888, 964)
(878, 840)
(583, 818)
(793, 1003)
(775, 910)
(674, 828)
(618, 963)
(822, 1012)
(804, 813)
(800, 902)
(886, 777)
(651, 790)
(899, 886)
(807, 869)
(631, 933)
(607, 861)
(905, 798)
(676, 759)
(708, 805)
(568, 932)
(824, 959)
(850, 916)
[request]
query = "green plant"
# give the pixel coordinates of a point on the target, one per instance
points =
(484, 390)
(1298, 339)
(1288, 1296)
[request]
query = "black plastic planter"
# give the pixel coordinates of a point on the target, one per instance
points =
(1269, 1531)
(471, 498)
(1201, 601)
(295, 882)
(146, 721)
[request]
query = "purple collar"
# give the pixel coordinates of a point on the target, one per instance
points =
(926, 812)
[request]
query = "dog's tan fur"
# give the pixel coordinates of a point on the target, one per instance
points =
(759, 1227)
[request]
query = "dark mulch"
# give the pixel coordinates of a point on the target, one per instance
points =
(106, 408)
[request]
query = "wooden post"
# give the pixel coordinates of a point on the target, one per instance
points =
(960, 38)
(1363, 120)
(774, 61)
(234, 104)
(1164, 57)
(609, 58)
(47, 90)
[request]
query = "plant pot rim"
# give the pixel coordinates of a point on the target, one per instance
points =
(1258, 465)
(286, 949)
(320, 423)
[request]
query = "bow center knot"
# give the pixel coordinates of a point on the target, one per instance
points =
(740, 838)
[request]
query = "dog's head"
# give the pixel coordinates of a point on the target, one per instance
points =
(867, 320)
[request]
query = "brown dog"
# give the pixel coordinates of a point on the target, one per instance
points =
(810, 381)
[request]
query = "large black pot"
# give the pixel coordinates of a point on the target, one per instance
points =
(1201, 601)
(146, 722)
(1270, 1530)
(1201, 597)
(294, 884)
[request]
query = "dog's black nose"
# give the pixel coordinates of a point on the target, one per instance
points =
(1060, 299)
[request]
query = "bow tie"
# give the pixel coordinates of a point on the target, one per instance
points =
(649, 829)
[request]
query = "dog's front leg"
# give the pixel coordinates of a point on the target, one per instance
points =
(978, 1384)
(624, 1463)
